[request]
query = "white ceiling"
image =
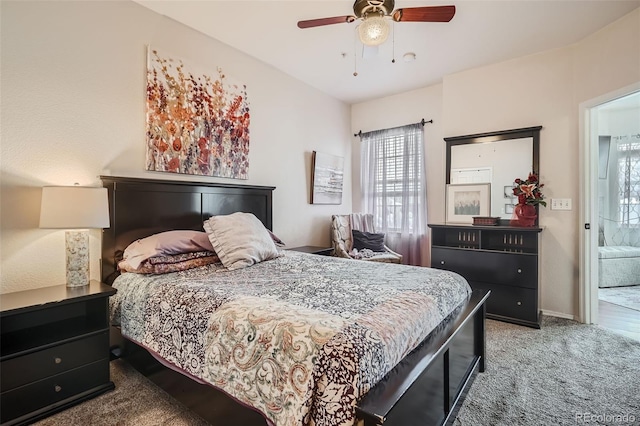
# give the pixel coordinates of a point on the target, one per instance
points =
(480, 33)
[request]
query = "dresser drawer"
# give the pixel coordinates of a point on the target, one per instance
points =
(513, 302)
(54, 389)
(55, 360)
(520, 270)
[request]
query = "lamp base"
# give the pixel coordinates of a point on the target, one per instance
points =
(77, 246)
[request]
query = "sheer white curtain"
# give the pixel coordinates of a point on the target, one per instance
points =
(394, 188)
(628, 196)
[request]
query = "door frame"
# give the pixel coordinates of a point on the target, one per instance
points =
(588, 147)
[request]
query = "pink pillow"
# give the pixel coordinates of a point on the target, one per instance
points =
(171, 263)
(166, 243)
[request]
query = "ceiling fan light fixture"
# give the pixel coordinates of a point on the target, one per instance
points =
(374, 30)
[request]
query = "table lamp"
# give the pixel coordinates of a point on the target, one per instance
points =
(77, 208)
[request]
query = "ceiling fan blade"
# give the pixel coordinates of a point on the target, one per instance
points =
(325, 21)
(425, 14)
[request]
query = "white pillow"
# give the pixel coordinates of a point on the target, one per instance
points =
(240, 240)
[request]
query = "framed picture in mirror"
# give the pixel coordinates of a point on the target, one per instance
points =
(464, 201)
(508, 191)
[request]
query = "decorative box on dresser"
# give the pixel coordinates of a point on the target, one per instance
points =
(54, 350)
(503, 259)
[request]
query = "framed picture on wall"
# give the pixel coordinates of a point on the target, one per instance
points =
(326, 180)
(466, 201)
(508, 191)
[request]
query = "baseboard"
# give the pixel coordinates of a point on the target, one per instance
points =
(559, 315)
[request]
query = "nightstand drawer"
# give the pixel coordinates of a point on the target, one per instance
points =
(52, 390)
(55, 360)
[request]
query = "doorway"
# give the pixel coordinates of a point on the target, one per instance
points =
(610, 129)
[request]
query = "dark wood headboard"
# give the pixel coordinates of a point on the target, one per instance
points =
(142, 207)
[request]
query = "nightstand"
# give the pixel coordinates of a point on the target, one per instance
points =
(324, 251)
(54, 350)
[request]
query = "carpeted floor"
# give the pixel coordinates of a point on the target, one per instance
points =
(550, 376)
(136, 401)
(555, 375)
(629, 297)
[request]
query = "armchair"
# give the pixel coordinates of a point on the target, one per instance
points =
(342, 227)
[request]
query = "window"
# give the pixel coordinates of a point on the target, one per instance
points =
(393, 179)
(628, 147)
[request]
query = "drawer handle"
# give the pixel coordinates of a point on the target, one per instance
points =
(442, 262)
(519, 303)
(58, 388)
(519, 271)
(57, 360)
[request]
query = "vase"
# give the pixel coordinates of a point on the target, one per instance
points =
(525, 215)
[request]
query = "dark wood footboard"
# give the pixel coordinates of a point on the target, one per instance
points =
(428, 386)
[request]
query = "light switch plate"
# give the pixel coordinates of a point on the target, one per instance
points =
(561, 204)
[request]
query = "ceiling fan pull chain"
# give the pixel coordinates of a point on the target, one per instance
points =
(393, 43)
(355, 56)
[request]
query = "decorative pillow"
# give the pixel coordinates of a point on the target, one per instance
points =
(276, 240)
(368, 240)
(171, 263)
(165, 243)
(240, 240)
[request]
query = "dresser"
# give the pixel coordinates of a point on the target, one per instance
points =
(503, 259)
(54, 350)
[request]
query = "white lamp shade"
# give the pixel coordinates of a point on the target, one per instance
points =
(74, 207)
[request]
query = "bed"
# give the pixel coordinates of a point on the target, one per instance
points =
(417, 377)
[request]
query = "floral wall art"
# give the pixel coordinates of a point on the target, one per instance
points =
(197, 122)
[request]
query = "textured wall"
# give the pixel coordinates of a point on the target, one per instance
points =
(73, 107)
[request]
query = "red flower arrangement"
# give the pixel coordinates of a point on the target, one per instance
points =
(529, 191)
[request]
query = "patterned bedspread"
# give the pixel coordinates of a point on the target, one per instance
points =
(301, 338)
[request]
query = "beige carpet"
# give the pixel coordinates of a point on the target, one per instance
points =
(135, 401)
(557, 375)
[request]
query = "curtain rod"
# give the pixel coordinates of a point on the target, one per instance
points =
(420, 122)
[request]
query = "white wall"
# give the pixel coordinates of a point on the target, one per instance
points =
(73, 107)
(608, 59)
(543, 89)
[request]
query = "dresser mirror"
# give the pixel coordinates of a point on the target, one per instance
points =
(497, 158)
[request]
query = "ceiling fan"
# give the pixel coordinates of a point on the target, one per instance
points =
(374, 29)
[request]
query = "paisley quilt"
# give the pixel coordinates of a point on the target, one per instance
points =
(300, 338)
